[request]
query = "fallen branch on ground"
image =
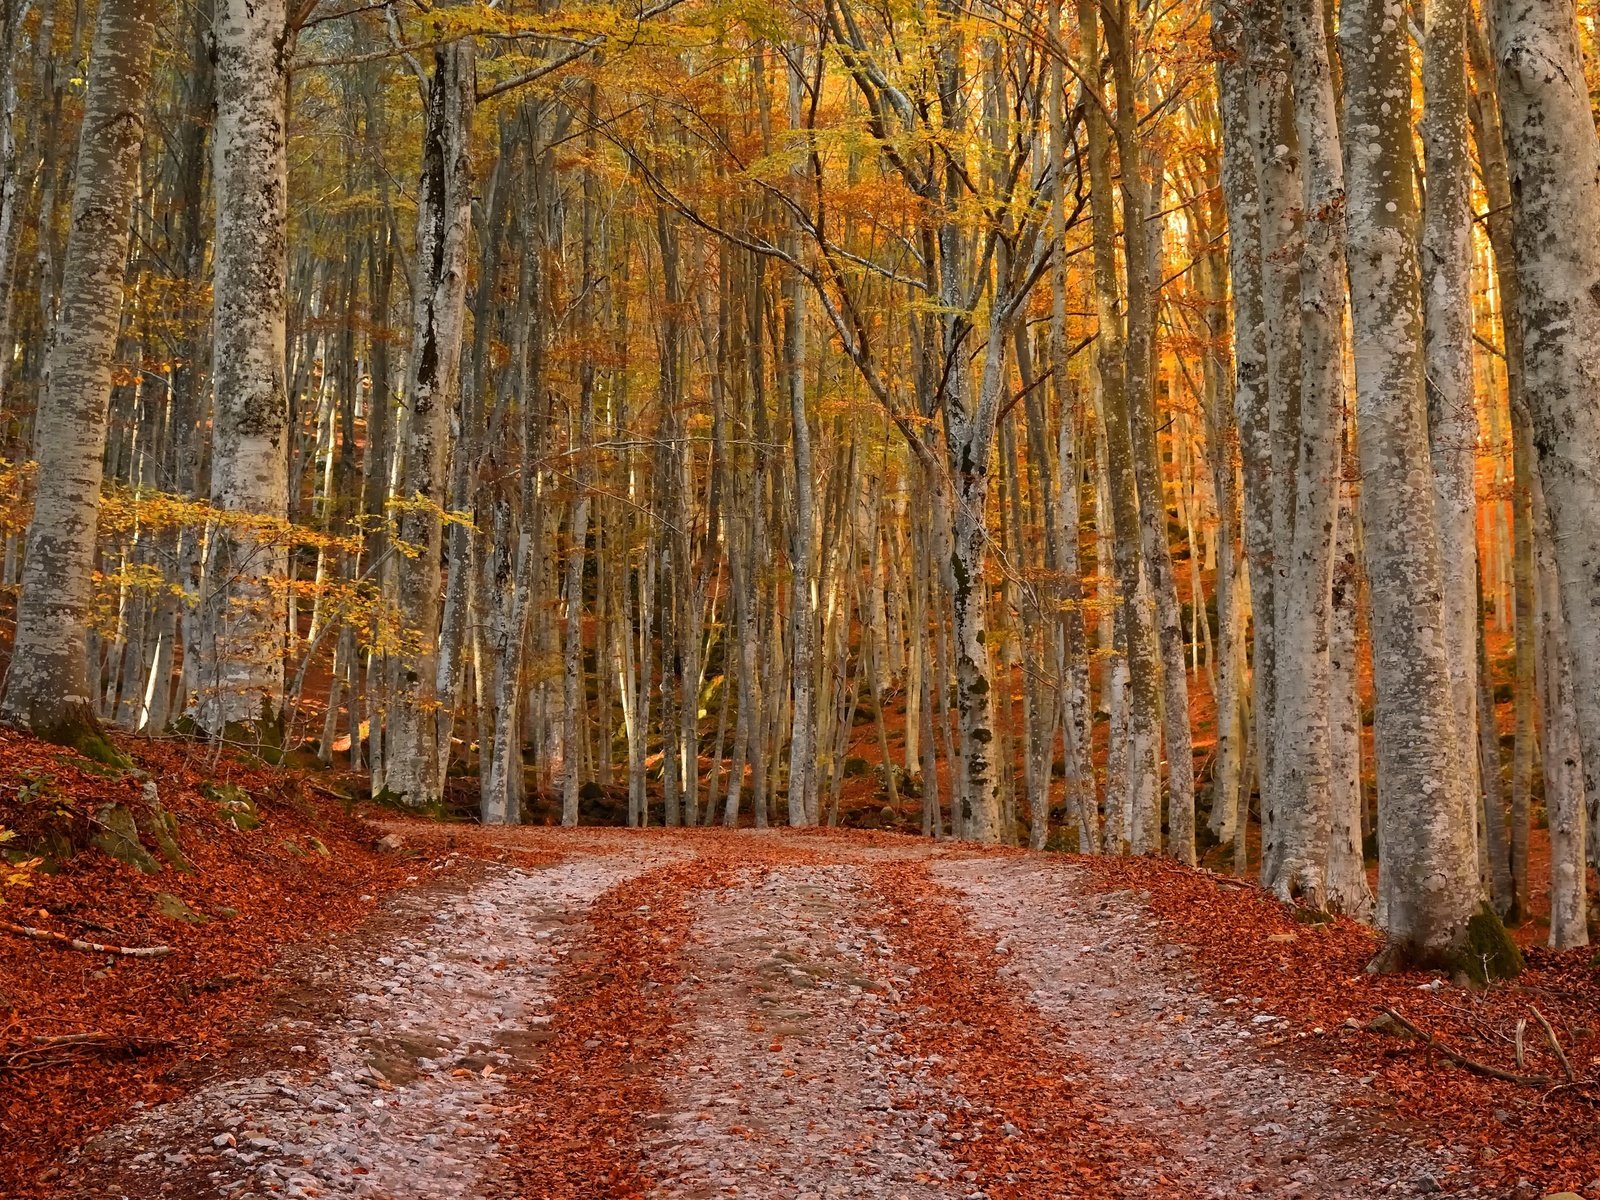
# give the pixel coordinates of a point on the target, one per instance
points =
(61, 939)
(1461, 1060)
(1561, 1055)
(67, 1048)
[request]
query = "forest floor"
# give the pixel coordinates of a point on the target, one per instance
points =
(613, 1013)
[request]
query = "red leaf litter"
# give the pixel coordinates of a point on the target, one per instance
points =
(990, 1040)
(1247, 943)
(619, 1009)
(579, 1131)
(84, 1037)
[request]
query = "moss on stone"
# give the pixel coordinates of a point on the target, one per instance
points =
(96, 747)
(234, 804)
(117, 834)
(1491, 952)
(161, 827)
(173, 908)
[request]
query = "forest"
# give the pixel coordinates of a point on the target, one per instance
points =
(1120, 429)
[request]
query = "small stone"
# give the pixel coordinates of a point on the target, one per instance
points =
(391, 843)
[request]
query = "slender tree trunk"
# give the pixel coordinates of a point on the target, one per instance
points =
(1269, 438)
(48, 688)
(1496, 831)
(1296, 864)
(239, 679)
(1561, 753)
(1484, 111)
(1447, 316)
(1241, 193)
(1139, 791)
(1347, 888)
(12, 194)
(413, 773)
(1554, 156)
(1141, 255)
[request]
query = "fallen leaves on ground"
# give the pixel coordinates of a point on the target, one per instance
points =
(1030, 1133)
(86, 1035)
(1254, 948)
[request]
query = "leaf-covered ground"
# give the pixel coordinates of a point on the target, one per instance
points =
(535, 1013)
(84, 1037)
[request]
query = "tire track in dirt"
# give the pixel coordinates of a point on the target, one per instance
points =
(790, 1081)
(1184, 1068)
(395, 1086)
(1029, 1129)
(578, 1120)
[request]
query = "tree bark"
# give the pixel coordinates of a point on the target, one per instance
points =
(1428, 885)
(1296, 864)
(1554, 157)
(239, 678)
(413, 773)
(48, 688)
(1447, 318)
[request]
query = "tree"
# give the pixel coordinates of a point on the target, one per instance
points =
(1553, 154)
(239, 677)
(413, 773)
(1428, 879)
(48, 688)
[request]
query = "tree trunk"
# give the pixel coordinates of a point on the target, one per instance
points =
(413, 773)
(1296, 865)
(1142, 266)
(1139, 791)
(1242, 196)
(1447, 318)
(1268, 436)
(1428, 885)
(48, 688)
(1554, 157)
(1484, 111)
(239, 677)
(1561, 753)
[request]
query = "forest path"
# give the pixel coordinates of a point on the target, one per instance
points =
(697, 1015)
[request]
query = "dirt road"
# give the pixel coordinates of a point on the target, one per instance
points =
(615, 1014)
